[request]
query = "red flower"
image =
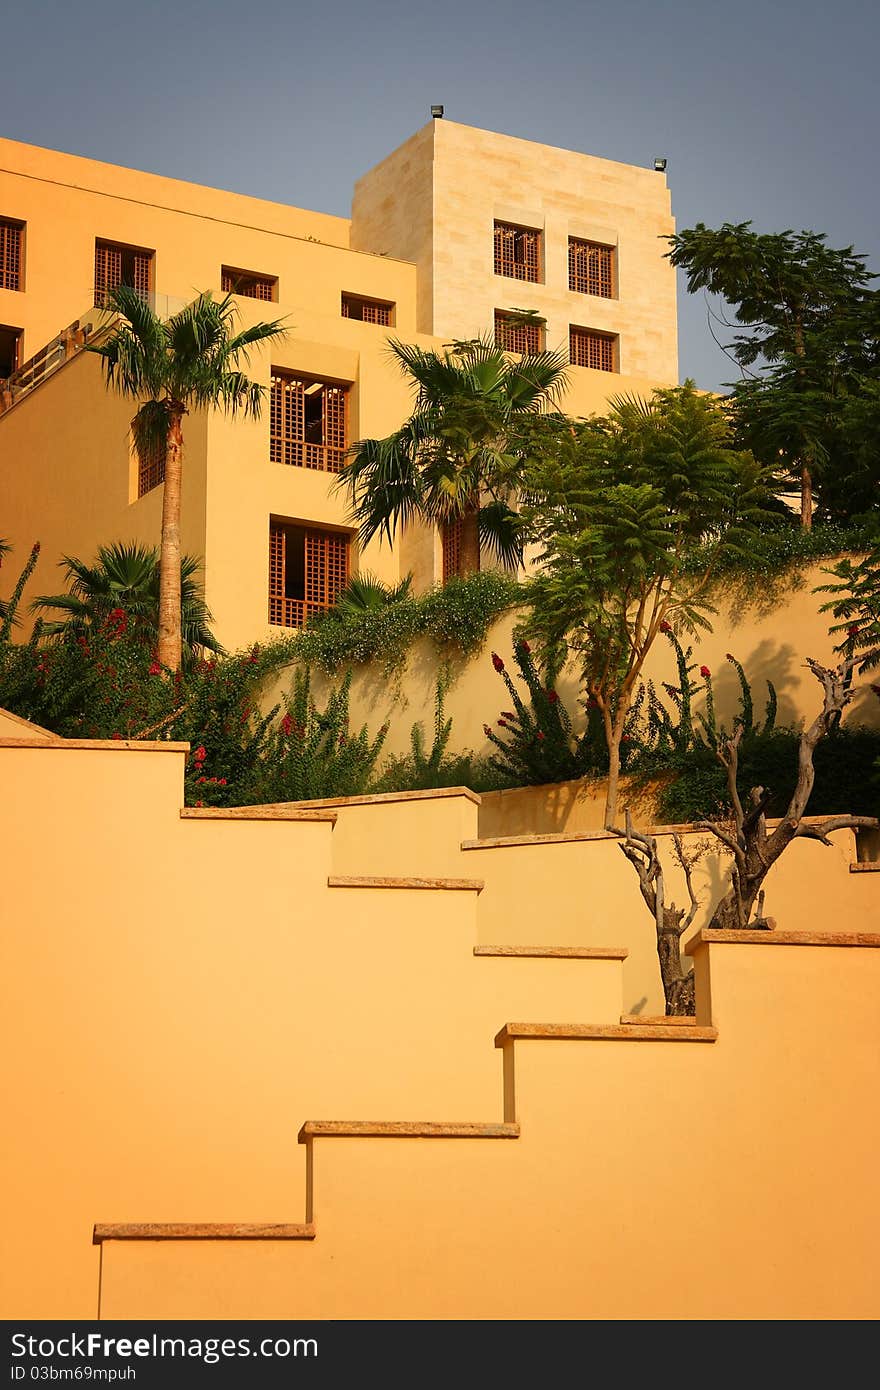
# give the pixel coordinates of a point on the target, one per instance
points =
(540, 737)
(508, 714)
(199, 755)
(497, 662)
(625, 738)
(853, 630)
(501, 724)
(221, 781)
(155, 669)
(730, 657)
(664, 627)
(705, 672)
(552, 697)
(287, 725)
(255, 652)
(524, 647)
(200, 803)
(486, 730)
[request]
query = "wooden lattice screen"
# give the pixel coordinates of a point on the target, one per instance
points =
(591, 349)
(108, 271)
(590, 268)
(326, 573)
(248, 285)
(151, 467)
(287, 424)
(117, 265)
(517, 252)
(450, 539)
(10, 255)
(516, 335)
(367, 310)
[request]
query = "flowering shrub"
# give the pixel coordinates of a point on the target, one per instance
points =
(537, 742)
(310, 753)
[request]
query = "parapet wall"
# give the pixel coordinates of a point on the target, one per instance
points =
(441, 1023)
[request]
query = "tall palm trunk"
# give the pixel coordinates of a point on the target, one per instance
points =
(169, 653)
(469, 553)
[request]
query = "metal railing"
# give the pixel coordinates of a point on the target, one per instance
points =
(65, 345)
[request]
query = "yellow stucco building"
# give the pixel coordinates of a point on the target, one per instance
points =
(395, 1056)
(452, 230)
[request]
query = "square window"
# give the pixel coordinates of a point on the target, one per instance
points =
(589, 348)
(308, 422)
(11, 254)
(367, 310)
(308, 568)
(249, 284)
(518, 333)
(117, 265)
(590, 268)
(517, 252)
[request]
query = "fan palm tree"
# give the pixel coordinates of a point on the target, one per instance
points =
(454, 459)
(192, 360)
(127, 577)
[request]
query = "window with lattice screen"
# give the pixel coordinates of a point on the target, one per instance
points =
(249, 284)
(117, 265)
(308, 568)
(150, 465)
(11, 254)
(450, 537)
(368, 310)
(308, 422)
(590, 268)
(587, 348)
(517, 252)
(516, 334)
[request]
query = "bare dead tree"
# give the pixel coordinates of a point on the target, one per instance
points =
(745, 837)
(671, 922)
(754, 850)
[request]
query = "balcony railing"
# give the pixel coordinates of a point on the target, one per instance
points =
(65, 345)
(293, 612)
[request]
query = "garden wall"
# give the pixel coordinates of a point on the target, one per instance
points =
(769, 626)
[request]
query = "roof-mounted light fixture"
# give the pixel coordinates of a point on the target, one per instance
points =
(660, 166)
(437, 113)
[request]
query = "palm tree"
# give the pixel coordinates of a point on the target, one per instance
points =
(191, 361)
(127, 577)
(454, 459)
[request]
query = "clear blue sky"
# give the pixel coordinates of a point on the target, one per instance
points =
(765, 111)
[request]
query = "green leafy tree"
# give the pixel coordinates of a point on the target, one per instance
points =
(808, 318)
(125, 580)
(455, 458)
(191, 361)
(855, 604)
(624, 505)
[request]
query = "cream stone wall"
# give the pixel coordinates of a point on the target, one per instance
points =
(187, 992)
(467, 179)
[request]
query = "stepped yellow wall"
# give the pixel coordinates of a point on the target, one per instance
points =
(184, 993)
